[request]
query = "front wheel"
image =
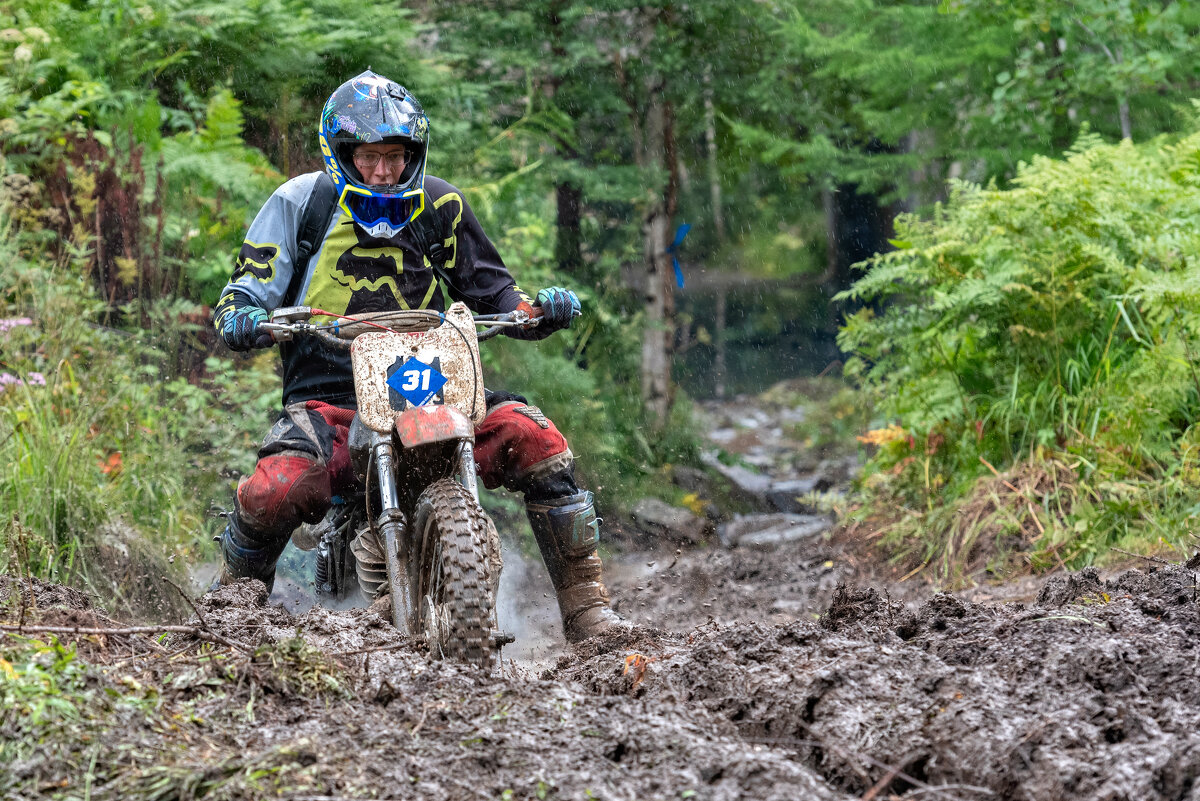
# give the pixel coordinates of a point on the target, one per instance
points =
(452, 586)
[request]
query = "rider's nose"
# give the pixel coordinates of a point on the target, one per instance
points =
(380, 174)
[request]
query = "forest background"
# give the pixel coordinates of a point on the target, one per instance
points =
(1026, 337)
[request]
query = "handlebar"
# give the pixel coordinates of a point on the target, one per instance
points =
(290, 321)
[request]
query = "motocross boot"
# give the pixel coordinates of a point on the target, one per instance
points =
(567, 532)
(247, 556)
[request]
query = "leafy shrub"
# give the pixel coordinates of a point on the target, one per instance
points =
(1051, 324)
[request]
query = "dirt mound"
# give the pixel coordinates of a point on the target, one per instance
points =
(678, 591)
(338, 704)
(1063, 589)
(33, 594)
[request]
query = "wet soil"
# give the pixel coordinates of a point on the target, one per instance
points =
(1090, 691)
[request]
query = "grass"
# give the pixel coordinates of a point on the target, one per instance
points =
(109, 456)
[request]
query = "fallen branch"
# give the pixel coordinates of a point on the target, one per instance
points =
(1143, 556)
(1075, 618)
(189, 601)
(938, 788)
(204, 623)
(195, 631)
(881, 785)
(393, 647)
(854, 757)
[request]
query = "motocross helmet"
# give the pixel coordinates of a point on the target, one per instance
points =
(370, 109)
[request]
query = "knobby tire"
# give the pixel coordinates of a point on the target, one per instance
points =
(453, 570)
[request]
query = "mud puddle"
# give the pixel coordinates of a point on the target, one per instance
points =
(526, 606)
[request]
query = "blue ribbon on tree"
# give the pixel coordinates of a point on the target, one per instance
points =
(673, 249)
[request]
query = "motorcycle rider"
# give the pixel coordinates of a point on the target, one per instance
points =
(371, 257)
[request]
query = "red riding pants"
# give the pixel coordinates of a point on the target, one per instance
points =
(305, 461)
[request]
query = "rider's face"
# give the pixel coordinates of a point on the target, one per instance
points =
(380, 164)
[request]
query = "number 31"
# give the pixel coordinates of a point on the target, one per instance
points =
(414, 379)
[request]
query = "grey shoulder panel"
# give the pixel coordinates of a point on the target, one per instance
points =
(297, 190)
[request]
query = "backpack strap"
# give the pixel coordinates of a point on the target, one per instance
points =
(430, 235)
(314, 221)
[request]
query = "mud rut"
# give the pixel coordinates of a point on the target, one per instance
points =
(1089, 692)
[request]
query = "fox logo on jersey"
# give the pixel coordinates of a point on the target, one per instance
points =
(257, 261)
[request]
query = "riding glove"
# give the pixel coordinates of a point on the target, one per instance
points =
(240, 329)
(559, 307)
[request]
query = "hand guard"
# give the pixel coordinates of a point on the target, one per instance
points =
(240, 329)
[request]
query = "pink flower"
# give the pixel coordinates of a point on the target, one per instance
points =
(31, 379)
(8, 323)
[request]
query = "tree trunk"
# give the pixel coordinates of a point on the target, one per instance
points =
(719, 367)
(714, 191)
(659, 333)
(710, 139)
(567, 251)
(568, 240)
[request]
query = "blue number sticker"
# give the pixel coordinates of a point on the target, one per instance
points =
(416, 382)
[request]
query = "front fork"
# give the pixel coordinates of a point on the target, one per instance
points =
(466, 468)
(391, 525)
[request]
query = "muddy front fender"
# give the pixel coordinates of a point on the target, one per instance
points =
(424, 425)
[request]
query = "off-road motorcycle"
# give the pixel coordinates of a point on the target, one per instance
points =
(415, 531)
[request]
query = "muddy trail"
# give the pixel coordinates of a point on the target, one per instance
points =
(768, 660)
(1089, 692)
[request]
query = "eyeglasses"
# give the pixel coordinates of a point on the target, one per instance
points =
(370, 159)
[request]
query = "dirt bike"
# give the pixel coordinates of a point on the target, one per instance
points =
(415, 530)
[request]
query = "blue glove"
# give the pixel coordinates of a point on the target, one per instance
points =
(240, 329)
(559, 307)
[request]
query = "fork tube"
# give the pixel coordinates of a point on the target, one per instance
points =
(391, 524)
(466, 467)
(385, 472)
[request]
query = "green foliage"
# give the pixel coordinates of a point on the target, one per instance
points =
(897, 96)
(100, 437)
(37, 688)
(585, 378)
(1050, 325)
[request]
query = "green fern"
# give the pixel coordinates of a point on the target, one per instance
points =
(1058, 319)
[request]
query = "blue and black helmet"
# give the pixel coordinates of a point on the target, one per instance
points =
(370, 109)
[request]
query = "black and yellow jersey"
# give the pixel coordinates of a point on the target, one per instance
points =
(351, 272)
